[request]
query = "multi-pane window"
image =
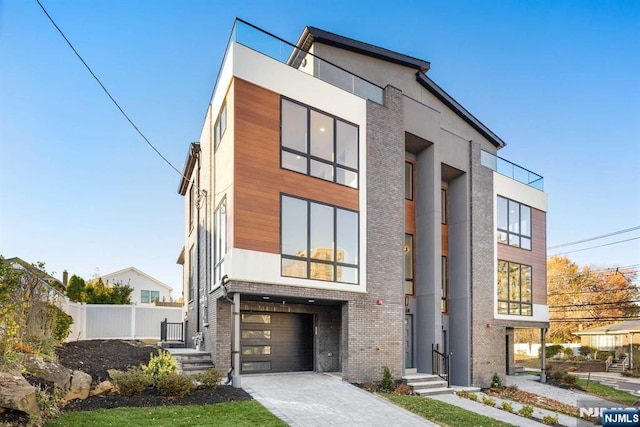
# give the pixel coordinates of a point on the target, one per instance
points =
(409, 287)
(192, 272)
(514, 223)
(444, 286)
(443, 202)
(220, 125)
(318, 144)
(219, 240)
(319, 241)
(149, 296)
(514, 289)
(408, 180)
(192, 207)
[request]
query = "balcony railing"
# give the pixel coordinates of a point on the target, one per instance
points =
(513, 171)
(281, 50)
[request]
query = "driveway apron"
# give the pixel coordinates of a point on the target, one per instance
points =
(316, 399)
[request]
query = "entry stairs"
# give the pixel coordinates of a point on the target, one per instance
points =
(426, 385)
(190, 361)
(620, 366)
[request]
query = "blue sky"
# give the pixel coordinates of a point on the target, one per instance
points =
(80, 190)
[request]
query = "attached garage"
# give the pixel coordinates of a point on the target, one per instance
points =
(275, 342)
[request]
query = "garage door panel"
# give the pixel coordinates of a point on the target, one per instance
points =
(276, 342)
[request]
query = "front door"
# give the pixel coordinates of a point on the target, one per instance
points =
(408, 341)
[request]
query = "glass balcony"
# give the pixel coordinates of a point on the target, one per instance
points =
(276, 48)
(513, 171)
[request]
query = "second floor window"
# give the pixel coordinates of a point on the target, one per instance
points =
(514, 223)
(318, 144)
(319, 241)
(149, 296)
(219, 240)
(409, 287)
(514, 289)
(220, 125)
(192, 272)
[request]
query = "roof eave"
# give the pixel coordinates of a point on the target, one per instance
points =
(189, 164)
(462, 112)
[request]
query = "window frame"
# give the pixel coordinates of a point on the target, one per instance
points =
(412, 278)
(219, 246)
(192, 201)
(444, 285)
(192, 264)
(308, 259)
(310, 158)
(520, 301)
(410, 192)
(519, 235)
(220, 125)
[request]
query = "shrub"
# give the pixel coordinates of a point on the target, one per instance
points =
(550, 350)
(507, 406)
(569, 379)
(488, 401)
(402, 390)
(23, 347)
(568, 351)
(47, 403)
(160, 365)
(496, 382)
(131, 382)
(209, 379)
(526, 411)
(63, 324)
(550, 420)
(473, 397)
(370, 387)
(387, 383)
(175, 385)
(463, 394)
(585, 350)
(43, 345)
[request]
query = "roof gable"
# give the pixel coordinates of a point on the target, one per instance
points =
(141, 273)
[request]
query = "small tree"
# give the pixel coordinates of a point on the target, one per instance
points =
(75, 288)
(387, 384)
(97, 293)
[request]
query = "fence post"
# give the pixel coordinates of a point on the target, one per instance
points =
(133, 322)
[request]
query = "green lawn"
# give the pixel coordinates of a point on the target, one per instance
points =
(608, 393)
(443, 413)
(246, 413)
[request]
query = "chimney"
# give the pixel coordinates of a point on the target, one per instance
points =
(65, 278)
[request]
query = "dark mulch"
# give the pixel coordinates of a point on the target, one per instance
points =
(95, 357)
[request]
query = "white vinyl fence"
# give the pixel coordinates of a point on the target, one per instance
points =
(108, 321)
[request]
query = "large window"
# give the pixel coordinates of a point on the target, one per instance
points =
(192, 272)
(319, 241)
(219, 240)
(317, 144)
(192, 205)
(408, 180)
(220, 125)
(409, 283)
(514, 223)
(444, 285)
(149, 296)
(514, 288)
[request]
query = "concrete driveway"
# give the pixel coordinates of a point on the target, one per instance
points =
(316, 399)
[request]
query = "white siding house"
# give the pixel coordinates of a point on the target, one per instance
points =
(146, 289)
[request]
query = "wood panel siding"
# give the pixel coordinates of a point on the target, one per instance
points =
(536, 257)
(258, 178)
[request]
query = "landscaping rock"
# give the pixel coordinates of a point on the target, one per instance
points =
(48, 370)
(104, 388)
(17, 394)
(80, 386)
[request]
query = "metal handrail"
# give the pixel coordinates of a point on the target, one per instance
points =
(440, 364)
(170, 331)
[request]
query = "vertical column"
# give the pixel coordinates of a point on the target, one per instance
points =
(543, 355)
(235, 307)
(428, 326)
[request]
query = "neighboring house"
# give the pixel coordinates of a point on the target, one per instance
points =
(52, 287)
(358, 217)
(610, 337)
(146, 289)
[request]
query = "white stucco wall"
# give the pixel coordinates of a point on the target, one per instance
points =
(138, 281)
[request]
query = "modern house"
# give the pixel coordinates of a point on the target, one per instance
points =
(146, 289)
(344, 213)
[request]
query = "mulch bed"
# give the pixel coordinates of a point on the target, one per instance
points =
(95, 357)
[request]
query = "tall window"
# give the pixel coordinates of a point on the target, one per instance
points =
(317, 144)
(192, 272)
(444, 286)
(514, 223)
(443, 196)
(192, 207)
(318, 241)
(408, 180)
(219, 240)
(514, 288)
(409, 287)
(220, 125)
(149, 296)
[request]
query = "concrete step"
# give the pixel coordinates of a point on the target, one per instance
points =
(420, 377)
(434, 391)
(427, 384)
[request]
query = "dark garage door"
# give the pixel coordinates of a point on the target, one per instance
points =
(276, 342)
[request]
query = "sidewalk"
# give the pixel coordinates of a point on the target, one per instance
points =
(613, 379)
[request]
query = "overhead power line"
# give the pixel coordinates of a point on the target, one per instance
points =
(598, 246)
(592, 319)
(595, 238)
(106, 91)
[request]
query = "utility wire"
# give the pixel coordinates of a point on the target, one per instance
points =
(598, 246)
(107, 92)
(595, 238)
(632, 288)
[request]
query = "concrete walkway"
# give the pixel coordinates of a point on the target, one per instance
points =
(316, 399)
